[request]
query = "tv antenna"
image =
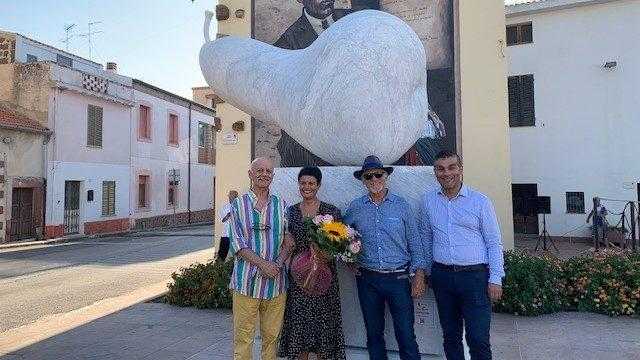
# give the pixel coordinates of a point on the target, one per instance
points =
(68, 35)
(90, 33)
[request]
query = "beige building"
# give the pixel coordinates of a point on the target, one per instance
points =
(22, 153)
(203, 95)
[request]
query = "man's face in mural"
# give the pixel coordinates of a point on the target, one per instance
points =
(319, 9)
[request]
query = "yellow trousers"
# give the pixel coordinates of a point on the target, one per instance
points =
(246, 312)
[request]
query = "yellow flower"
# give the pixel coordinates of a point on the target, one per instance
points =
(335, 230)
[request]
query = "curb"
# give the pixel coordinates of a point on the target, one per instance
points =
(130, 233)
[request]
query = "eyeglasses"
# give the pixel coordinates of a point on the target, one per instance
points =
(261, 227)
(370, 176)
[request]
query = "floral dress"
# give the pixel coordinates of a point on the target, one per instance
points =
(312, 324)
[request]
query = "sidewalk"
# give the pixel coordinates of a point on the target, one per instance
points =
(160, 331)
(167, 231)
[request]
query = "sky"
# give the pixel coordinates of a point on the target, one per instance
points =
(156, 41)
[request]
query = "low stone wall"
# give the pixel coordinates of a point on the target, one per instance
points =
(106, 226)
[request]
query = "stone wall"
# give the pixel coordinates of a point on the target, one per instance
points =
(106, 226)
(202, 216)
(25, 89)
(7, 49)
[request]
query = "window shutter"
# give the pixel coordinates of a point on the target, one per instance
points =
(98, 126)
(90, 127)
(513, 85)
(528, 116)
(141, 121)
(105, 198)
(512, 35)
(526, 34)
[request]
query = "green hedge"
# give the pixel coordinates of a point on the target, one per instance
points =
(607, 282)
(205, 286)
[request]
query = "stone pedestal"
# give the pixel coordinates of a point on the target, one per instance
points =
(339, 187)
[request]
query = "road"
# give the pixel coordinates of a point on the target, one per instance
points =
(44, 280)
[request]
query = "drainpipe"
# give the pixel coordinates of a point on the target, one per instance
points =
(189, 172)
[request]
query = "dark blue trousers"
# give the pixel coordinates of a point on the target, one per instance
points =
(374, 291)
(462, 298)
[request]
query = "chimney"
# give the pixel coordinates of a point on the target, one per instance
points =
(112, 67)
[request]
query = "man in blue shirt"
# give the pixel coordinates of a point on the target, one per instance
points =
(463, 250)
(391, 265)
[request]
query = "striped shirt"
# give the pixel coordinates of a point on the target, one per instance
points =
(463, 230)
(263, 233)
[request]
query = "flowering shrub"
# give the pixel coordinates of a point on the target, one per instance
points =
(606, 282)
(532, 285)
(205, 286)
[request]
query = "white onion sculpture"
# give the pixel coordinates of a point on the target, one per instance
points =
(359, 89)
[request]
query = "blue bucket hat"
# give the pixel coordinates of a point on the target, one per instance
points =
(372, 162)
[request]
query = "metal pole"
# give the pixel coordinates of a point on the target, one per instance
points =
(633, 225)
(596, 241)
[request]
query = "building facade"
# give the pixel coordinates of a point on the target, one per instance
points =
(172, 142)
(22, 176)
(574, 70)
(97, 158)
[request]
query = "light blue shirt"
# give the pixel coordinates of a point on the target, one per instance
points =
(463, 230)
(390, 237)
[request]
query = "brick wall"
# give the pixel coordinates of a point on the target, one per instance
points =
(106, 226)
(53, 231)
(202, 216)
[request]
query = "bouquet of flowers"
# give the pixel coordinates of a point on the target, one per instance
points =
(330, 240)
(334, 238)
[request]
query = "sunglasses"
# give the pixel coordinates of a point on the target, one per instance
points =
(370, 176)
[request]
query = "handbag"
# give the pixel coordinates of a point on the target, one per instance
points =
(310, 273)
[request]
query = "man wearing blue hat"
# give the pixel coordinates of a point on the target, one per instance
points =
(391, 267)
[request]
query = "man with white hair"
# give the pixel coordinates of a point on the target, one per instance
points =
(258, 282)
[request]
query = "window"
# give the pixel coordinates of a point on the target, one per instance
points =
(206, 144)
(143, 191)
(94, 126)
(519, 34)
(31, 58)
(64, 61)
(144, 123)
(108, 198)
(575, 202)
(174, 134)
(521, 101)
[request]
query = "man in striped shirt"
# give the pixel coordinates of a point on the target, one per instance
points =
(258, 282)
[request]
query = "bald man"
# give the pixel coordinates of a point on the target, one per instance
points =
(258, 283)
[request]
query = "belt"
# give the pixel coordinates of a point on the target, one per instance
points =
(400, 269)
(460, 268)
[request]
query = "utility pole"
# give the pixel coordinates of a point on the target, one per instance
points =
(89, 33)
(67, 37)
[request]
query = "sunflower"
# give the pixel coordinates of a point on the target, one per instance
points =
(335, 230)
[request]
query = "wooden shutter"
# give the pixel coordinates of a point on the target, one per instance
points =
(144, 123)
(108, 198)
(526, 33)
(173, 129)
(142, 190)
(94, 126)
(512, 35)
(527, 103)
(513, 85)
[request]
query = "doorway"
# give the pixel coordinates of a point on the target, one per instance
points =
(525, 215)
(71, 207)
(22, 219)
